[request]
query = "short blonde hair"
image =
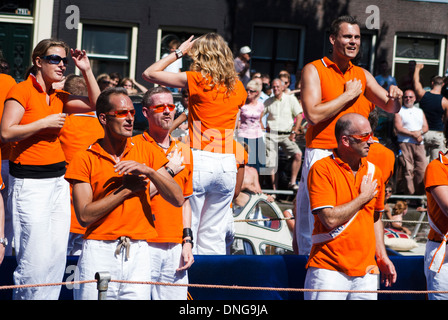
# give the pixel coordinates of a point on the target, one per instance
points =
(254, 85)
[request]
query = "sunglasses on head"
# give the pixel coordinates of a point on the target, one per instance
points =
(121, 113)
(55, 59)
(161, 107)
(361, 137)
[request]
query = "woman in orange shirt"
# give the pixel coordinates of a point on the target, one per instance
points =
(215, 97)
(39, 197)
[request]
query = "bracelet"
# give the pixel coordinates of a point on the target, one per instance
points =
(187, 233)
(170, 171)
(293, 132)
(188, 241)
(178, 53)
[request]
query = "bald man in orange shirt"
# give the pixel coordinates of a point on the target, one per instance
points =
(347, 199)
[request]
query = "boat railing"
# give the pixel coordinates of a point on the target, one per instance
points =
(418, 222)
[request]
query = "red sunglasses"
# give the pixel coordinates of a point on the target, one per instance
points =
(361, 137)
(161, 107)
(122, 113)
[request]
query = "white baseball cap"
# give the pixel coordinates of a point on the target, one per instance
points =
(245, 49)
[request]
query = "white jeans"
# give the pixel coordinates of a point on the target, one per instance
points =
(304, 218)
(317, 278)
(165, 259)
(99, 256)
(214, 178)
(41, 219)
(435, 281)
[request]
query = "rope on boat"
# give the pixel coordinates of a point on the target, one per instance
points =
(227, 287)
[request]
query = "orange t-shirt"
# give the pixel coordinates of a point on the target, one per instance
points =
(332, 183)
(332, 81)
(383, 157)
(44, 147)
(168, 218)
(6, 83)
(133, 218)
(80, 130)
(436, 175)
(212, 114)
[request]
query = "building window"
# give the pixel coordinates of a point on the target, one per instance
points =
(276, 48)
(426, 49)
(110, 48)
(167, 34)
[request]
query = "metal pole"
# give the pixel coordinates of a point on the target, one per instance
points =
(103, 279)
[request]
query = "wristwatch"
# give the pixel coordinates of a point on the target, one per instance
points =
(178, 53)
(4, 241)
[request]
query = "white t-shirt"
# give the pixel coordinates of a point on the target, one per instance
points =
(175, 67)
(412, 119)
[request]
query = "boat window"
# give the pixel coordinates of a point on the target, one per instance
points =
(272, 249)
(241, 247)
(263, 215)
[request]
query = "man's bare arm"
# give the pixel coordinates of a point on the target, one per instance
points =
(316, 111)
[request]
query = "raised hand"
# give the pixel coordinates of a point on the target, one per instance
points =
(80, 59)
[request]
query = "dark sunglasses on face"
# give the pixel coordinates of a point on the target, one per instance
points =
(55, 59)
(122, 113)
(161, 107)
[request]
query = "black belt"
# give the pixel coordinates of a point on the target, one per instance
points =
(281, 132)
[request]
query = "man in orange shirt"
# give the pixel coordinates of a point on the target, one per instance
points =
(436, 185)
(171, 251)
(331, 88)
(347, 198)
(111, 198)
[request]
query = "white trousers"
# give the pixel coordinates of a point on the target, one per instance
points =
(304, 218)
(214, 178)
(41, 220)
(435, 281)
(99, 256)
(317, 278)
(165, 259)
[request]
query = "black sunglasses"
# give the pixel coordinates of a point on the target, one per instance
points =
(55, 59)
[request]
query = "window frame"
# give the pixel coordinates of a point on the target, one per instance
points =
(442, 49)
(133, 43)
(273, 61)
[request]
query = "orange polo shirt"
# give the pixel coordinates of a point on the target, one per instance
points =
(168, 218)
(436, 174)
(212, 114)
(383, 157)
(43, 147)
(332, 82)
(6, 83)
(133, 218)
(332, 183)
(80, 130)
